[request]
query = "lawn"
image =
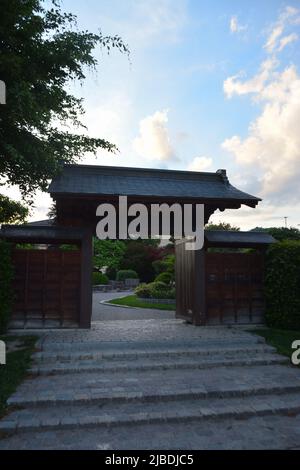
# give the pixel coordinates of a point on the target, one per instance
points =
(134, 301)
(280, 339)
(15, 369)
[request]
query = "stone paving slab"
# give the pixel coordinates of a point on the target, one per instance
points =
(133, 413)
(145, 331)
(147, 364)
(192, 407)
(268, 432)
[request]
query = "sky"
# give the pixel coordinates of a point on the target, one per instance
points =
(208, 85)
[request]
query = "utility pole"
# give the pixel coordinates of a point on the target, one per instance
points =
(285, 222)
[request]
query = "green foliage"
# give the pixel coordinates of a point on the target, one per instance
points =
(108, 253)
(42, 51)
(282, 340)
(126, 274)
(282, 285)
(155, 290)
(139, 256)
(6, 276)
(17, 364)
(165, 269)
(68, 247)
(221, 226)
(165, 277)
(111, 273)
(281, 233)
(11, 212)
(134, 301)
(99, 278)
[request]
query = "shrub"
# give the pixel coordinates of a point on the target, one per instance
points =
(155, 290)
(282, 281)
(126, 274)
(99, 278)
(6, 276)
(165, 277)
(143, 291)
(111, 273)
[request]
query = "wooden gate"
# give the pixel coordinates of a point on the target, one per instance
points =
(47, 287)
(234, 288)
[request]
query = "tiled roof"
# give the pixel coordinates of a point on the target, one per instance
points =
(239, 238)
(109, 180)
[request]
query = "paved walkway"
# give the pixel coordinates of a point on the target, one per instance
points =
(155, 384)
(109, 312)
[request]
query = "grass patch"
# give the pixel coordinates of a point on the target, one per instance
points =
(15, 369)
(134, 301)
(280, 339)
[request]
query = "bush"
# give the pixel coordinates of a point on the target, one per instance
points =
(282, 281)
(99, 278)
(155, 290)
(143, 291)
(126, 274)
(111, 273)
(165, 277)
(6, 276)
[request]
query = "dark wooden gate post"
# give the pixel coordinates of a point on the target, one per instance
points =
(86, 280)
(199, 299)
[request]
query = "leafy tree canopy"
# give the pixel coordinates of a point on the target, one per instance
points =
(41, 51)
(221, 226)
(108, 253)
(281, 233)
(11, 212)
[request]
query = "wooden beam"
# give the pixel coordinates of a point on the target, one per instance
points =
(86, 289)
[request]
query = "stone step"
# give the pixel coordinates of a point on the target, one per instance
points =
(133, 413)
(238, 340)
(150, 363)
(115, 354)
(123, 395)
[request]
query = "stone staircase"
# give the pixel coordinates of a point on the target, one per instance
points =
(94, 384)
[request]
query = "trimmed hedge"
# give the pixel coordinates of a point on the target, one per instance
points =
(99, 278)
(6, 276)
(126, 274)
(155, 290)
(282, 285)
(165, 277)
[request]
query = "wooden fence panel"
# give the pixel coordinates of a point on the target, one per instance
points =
(46, 286)
(234, 288)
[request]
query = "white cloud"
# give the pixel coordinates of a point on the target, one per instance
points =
(235, 26)
(287, 40)
(200, 164)
(154, 142)
(232, 85)
(289, 16)
(272, 148)
(161, 17)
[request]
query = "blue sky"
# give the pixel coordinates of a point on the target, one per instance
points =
(209, 84)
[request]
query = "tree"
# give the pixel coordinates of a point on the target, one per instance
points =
(139, 256)
(280, 233)
(11, 212)
(221, 226)
(41, 51)
(108, 253)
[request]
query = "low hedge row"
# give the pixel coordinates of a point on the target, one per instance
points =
(282, 285)
(155, 290)
(6, 276)
(126, 274)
